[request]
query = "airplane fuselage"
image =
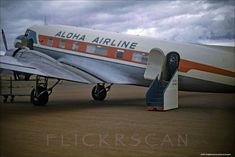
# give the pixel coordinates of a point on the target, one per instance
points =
(122, 59)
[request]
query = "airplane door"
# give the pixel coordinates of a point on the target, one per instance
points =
(154, 65)
(172, 64)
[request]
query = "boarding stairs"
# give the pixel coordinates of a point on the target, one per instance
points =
(163, 95)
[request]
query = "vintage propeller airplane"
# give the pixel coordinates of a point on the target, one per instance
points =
(104, 58)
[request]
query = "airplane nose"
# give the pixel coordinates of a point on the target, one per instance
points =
(17, 43)
(20, 41)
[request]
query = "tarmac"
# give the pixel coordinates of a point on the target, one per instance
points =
(73, 125)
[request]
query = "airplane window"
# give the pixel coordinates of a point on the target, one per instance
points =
(90, 48)
(75, 46)
(137, 57)
(31, 35)
(101, 50)
(50, 42)
(145, 59)
(119, 53)
(27, 33)
(62, 44)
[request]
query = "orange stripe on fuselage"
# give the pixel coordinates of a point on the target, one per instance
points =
(127, 56)
(186, 65)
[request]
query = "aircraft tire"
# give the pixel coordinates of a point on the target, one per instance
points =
(99, 94)
(42, 99)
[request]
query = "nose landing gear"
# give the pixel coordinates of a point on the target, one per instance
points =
(99, 92)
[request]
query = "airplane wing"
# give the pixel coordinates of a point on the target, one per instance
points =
(34, 62)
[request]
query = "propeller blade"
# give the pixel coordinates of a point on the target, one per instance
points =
(4, 39)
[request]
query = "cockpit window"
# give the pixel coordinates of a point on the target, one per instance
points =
(31, 35)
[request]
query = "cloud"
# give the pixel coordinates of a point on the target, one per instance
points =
(187, 21)
(184, 23)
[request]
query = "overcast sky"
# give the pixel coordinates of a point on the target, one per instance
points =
(207, 21)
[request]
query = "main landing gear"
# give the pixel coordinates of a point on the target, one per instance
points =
(99, 92)
(40, 94)
(21, 76)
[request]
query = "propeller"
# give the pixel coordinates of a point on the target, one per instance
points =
(4, 40)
